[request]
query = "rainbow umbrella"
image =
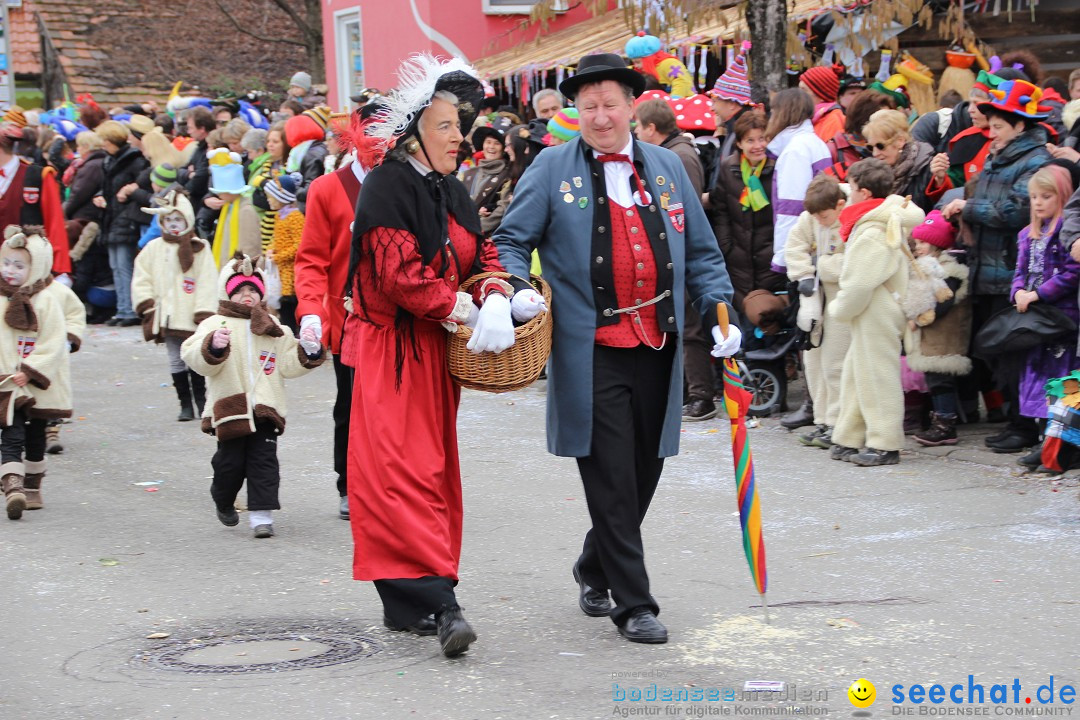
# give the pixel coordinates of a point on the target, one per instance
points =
(737, 403)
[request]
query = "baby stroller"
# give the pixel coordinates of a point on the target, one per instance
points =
(767, 347)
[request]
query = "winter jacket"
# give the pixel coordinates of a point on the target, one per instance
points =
(875, 270)
(35, 343)
(914, 179)
(288, 231)
(122, 222)
(828, 120)
(485, 181)
(172, 302)
(745, 236)
(845, 153)
(198, 181)
(87, 182)
(942, 346)
(74, 313)
(311, 167)
(1070, 220)
(683, 146)
(246, 380)
(800, 155)
(814, 251)
(1000, 209)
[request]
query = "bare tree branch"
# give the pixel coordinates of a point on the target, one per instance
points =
(295, 16)
(245, 31)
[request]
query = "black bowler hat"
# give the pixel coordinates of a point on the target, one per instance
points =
(484, 132)
(599, 67)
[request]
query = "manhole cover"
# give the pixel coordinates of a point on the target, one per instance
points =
(257, 652)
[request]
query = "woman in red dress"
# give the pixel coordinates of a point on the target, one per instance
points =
(416, 238)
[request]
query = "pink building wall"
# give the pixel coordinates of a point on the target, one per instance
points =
(393, 29)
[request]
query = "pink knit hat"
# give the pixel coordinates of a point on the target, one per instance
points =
(935, 230)
(733, 85)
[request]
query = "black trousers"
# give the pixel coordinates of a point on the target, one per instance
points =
(251, 457)
(287, 311)
(342, 409)
(24, 435)
(630, 392)
(406, 600)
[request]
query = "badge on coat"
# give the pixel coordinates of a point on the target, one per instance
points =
(568, 198)
(267, 361)
(27, 344)
(577, 182)
(665, 200)
(31, 195)
(583, 202)
(564, 187)
(189, 285)
(678, 218)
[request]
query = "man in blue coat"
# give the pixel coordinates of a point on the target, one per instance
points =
(620, 235)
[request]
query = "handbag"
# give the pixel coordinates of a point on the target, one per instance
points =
(1010, 331)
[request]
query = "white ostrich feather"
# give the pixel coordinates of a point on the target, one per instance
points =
(417, 78)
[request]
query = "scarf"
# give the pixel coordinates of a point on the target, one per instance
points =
(852, 214)
(296, 156)
(753, 195)
(261, 321)
(20, 313)
(186, 250)
(227, 234)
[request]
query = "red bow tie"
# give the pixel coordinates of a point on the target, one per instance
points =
(619, 157)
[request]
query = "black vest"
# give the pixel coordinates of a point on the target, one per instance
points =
(601, 272)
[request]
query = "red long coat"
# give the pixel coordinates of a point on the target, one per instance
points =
(404, 475)
(322, 261)
(52, 211)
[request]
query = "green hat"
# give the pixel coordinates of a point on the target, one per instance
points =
(163, 175)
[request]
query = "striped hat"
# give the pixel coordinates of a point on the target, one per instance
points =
(823, 82)
(733, 84)
(283, 188)
(320, 115)
(564, 125)
(163, 175)
(15, 116)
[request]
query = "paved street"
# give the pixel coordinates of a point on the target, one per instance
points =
(923, 572)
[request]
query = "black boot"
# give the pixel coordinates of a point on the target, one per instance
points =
(800, 418)
(455, 633)
(198, 389)
(942, 431)
(183, 391)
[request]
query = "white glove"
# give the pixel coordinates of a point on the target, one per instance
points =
(494, 329)
(726, 347)
(309, 341)
(527, 304)
(64, 279)
(311, 321)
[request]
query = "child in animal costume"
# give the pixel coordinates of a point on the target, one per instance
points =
(872, 281)
(288, 229)
(247, 355)
(75, 324)
(238, 221)
(938, 345)
(34, 374)
(815, 258)
(646, 52)
(174, 288)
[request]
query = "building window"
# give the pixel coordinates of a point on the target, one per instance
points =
(520, 7)
(350, 54)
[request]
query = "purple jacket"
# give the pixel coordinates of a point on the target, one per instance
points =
(1061, 274)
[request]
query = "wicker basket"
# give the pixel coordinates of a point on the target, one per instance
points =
(514, 368)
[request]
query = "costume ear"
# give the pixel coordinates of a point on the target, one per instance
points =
(11, 231)
(16, 240)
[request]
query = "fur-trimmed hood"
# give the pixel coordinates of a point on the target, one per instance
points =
(172, 198)
(239, 264)
(41, 255)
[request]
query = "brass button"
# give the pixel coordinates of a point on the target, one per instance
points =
(641, 266)
(634, 230)
(663, 236)
(599, 259)
(640, 283)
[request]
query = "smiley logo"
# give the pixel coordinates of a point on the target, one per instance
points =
(862, 693)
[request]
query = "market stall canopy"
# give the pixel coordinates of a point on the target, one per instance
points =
(609, 33)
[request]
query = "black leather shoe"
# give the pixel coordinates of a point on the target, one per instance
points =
(455, 633)
(129, 322)
(643, 627)
(423, 627)
(1013, 443)
(800, 418)
(1033, 459)
(113, 321)
(990, 440)
(230, 518)
(594, 603)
